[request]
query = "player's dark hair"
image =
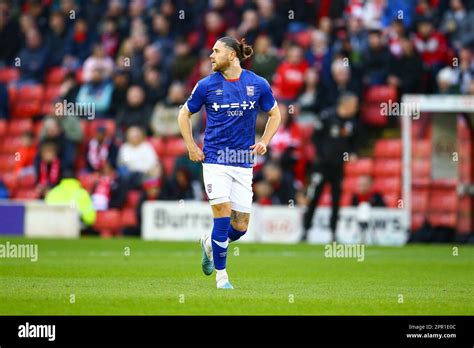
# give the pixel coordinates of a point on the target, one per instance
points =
(241, 48)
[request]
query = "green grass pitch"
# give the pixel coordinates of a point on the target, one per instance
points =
(165, 278)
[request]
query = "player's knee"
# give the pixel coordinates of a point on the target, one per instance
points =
(240, 225)
(221, 210)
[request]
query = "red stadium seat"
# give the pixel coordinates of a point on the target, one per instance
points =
(417, 220)
(31, 93)
(51, 93)
(10, 145)
(9, 74)
(388, 148)
(17, 127)
(325, 200)
(108, 222)
(419, 200)
(133, 199)
(379, 94)
(443, 219)
(443, 201)
(421, 168)
(159, 144)
(47, 108)
(7, 163)
(349, 184)
(346, 199)
(387, 184)
(10, 181)
(387, 167)
(363, 166)
(55, 75)
(391, 200)
(26, 194)
(176, 147)
(12, 95)
(168, 163)
(26, 181)
(371, 115)
(26, 109)
(129, 217)
(3, 127)
(421, 148)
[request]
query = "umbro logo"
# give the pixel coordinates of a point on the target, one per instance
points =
(219, 91)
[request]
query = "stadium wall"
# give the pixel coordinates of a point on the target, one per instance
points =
(37, 219)
(187, 221)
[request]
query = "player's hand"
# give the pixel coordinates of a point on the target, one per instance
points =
(259, 148)
(196, 154)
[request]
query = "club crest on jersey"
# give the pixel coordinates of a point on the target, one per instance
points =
(250, 91)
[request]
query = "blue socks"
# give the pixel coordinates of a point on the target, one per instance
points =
(235, 234)
(220, 232)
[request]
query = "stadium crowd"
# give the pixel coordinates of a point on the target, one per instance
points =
(137, 61)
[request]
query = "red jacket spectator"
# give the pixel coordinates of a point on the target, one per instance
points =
(430, 44)
(289, 77)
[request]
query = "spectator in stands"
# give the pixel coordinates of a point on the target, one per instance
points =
(136, 111)
(56, 38)
(10, 37)
(341, 82)
(98, 60)
(470, 89)
(282, 185)
(97, 92)
(33, 58)
(263, 193)
(121, 83)
(289, 77)
(79, 45)
(465, 69)
(458, 24)
(307, 99)
(395, 34)
(319, 54)
(155, 88)
(101, 151)
(47, 168)
(27, 154)
(214, 28)
(265, 59)
(52, 132)
(249, 27)
(137, 160)
(366, 194)
(376, 59)
(446, 80)
(110, 37)
(271, 22)
(201, 70)
(163, 120)
(107, 192)
(69, 191)
(432, 47)
(162, 36)
(358, 36)
(4, 102)
(335, 140)
(405, 70)
(180, 186)
(183, 61)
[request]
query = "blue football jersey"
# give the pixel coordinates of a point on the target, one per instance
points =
(232, 107)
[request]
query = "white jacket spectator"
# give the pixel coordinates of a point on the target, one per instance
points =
(137, 155)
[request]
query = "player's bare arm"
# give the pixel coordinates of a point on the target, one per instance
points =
(185, 126)
(274, 119)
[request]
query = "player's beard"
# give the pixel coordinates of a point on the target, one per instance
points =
(221, 67)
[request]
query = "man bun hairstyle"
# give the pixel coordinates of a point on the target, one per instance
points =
(240, 47)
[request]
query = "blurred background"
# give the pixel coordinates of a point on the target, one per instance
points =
(136, 62)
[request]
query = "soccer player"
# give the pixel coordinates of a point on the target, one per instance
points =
(232, 97)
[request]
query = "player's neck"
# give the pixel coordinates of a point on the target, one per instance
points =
(232, 73)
